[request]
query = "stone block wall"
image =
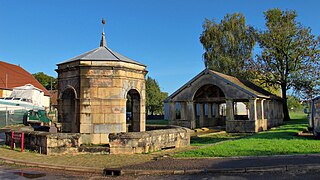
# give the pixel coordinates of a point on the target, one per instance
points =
(181, 122)
(246, 126)
(101, 89)
(149, 141)
(49, 143)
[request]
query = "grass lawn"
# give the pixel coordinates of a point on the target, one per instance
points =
(277, 141)
(214, 138)
(157, 122)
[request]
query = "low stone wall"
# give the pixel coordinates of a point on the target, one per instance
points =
(149, 141)
(246, 126)
(180, 122)
(49, 143)
(211, 122)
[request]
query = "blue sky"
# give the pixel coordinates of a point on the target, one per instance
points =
(162, 34)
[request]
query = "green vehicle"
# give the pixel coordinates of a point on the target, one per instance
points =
(37, 117)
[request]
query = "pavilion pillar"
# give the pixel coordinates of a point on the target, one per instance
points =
(229, 110)
(190, 114)
(269, 120)
(209, 110)
(183, 110)
(253, 110)
(262, 109)
(201, 118)
(267, 109)
(172, 111)
(216, 110)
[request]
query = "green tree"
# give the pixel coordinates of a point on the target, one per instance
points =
(228, 45)
(164, 96)
(154, 97)
(290, 55)
(294, 103)
(46, 80)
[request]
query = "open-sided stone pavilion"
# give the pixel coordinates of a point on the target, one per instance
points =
(215, 99)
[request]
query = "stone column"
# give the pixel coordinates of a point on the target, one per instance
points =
(209, 110)
(268, 110)
(262, 109)
(258, 108)
(142, 115)
(229, 110)
(201, 118)
(216, 110)
(183, 110)
(190, 114)
(253, 109)
(172, 111)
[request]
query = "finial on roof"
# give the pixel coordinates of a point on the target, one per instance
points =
(103, 42)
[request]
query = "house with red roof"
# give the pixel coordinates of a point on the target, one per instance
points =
(13, 76)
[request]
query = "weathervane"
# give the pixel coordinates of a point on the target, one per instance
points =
(103, 42)
(103, 23)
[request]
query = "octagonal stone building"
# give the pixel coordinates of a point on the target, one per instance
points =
(101, 92)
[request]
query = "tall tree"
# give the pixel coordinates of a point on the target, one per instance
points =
(154, 97)
(47, 81)
(290, 55)
(228, 45)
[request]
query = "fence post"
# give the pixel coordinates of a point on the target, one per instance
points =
(22, 141)
(12, 140)
(6, 116)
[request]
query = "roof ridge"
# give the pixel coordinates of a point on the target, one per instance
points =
(112, 53)
(256, 89)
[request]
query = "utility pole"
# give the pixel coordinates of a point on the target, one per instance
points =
(6, 80)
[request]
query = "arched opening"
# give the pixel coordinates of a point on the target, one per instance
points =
(209, 108)
(133, 111)
(69, 120)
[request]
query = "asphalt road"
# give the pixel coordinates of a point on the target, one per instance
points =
(7, 172)
(281, 175)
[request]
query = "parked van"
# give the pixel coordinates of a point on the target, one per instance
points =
(314, 116)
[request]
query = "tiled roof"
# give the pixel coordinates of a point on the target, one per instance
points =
(244, 85)
(16, 76)
(102, 53)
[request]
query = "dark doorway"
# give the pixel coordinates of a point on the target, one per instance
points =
(70, 122)
(133, 111)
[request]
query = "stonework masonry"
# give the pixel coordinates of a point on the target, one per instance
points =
(100, 90)
(149, 141)
(120, 143)
(96, 90)
(214, 99)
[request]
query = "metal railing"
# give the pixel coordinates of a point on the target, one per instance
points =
(9, 117)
